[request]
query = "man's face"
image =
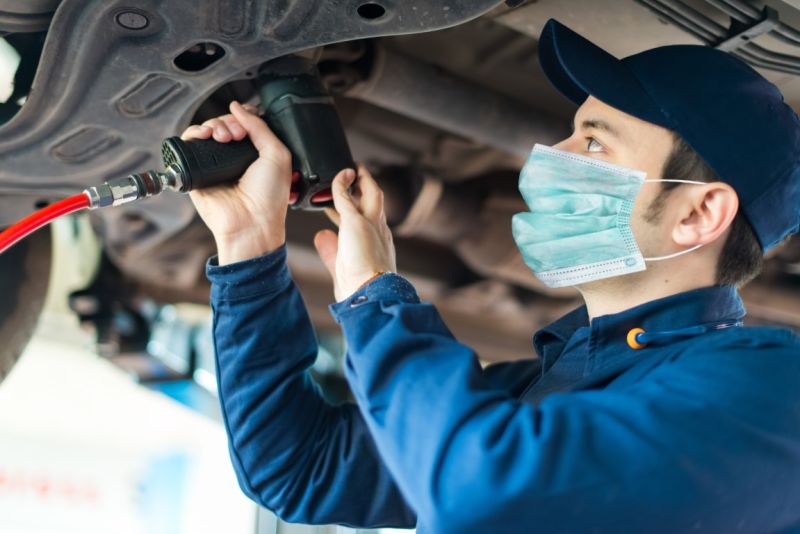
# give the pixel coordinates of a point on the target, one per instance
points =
(608, 134)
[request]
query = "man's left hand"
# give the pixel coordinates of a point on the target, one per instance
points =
(364, 244)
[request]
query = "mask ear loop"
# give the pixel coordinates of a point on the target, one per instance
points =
(681, 253)
(670, 256)
(693, 182)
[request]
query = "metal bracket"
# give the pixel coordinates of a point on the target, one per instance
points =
(741, 33)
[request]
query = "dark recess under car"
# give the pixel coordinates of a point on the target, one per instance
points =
(443, 118)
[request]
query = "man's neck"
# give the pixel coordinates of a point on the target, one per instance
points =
(615, 295)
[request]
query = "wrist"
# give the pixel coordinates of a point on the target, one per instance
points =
(358, 283)
(370, 279)
(246, 245)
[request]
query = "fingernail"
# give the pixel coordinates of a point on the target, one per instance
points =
(236, 104)
(350, 174)
(244, 107)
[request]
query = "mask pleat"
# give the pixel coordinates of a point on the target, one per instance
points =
(579, 216)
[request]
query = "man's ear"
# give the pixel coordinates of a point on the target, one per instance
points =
(706, 213)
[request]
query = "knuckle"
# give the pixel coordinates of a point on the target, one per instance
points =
(231, 120)
(281, 153)
(281, 158)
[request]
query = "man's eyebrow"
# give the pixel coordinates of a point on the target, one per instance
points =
(598, 124)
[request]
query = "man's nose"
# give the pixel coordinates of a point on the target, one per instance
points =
(570, 144)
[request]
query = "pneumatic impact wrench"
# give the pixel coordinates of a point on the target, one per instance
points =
(297, 108)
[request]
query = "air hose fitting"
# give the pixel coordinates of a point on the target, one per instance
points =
(118, 191)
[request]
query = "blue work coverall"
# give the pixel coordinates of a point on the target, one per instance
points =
(692, 434)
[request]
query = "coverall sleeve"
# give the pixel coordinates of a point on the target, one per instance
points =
(297, 455)
(471, 458)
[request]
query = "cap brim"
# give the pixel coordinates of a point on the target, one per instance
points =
(578, 68)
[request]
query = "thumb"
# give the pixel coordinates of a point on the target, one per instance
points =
(342, 200)
(327, 245)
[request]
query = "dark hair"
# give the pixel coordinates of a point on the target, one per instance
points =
(742, 258)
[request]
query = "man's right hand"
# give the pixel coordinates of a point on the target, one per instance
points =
(248, 218)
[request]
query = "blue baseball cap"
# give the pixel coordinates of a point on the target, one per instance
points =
(728, 113)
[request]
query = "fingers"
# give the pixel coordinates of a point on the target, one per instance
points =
(196, 131)
(237, 131)
(327, 244)
(266, 142)
(223, 129)
(341, 196)
(366, 198)
(371, 195)
(226, 128)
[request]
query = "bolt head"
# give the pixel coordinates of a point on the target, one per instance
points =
(132, 20)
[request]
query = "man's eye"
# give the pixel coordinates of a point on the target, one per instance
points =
(594, 146)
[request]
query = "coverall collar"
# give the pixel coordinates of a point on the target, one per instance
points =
(608, 332)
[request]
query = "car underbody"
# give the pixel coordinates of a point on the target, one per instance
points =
(442, 100)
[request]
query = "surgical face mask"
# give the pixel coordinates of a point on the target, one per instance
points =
(579, 226)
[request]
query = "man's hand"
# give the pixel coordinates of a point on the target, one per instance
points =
(247, 218)
(364, 245)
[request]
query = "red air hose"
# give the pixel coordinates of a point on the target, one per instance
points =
(33, 222)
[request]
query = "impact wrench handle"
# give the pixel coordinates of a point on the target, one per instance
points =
(206, 163)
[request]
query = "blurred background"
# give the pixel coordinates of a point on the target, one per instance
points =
(128, 444)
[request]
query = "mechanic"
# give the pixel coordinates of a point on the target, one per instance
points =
(649, 409)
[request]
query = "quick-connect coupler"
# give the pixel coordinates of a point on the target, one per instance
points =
(120, 191)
